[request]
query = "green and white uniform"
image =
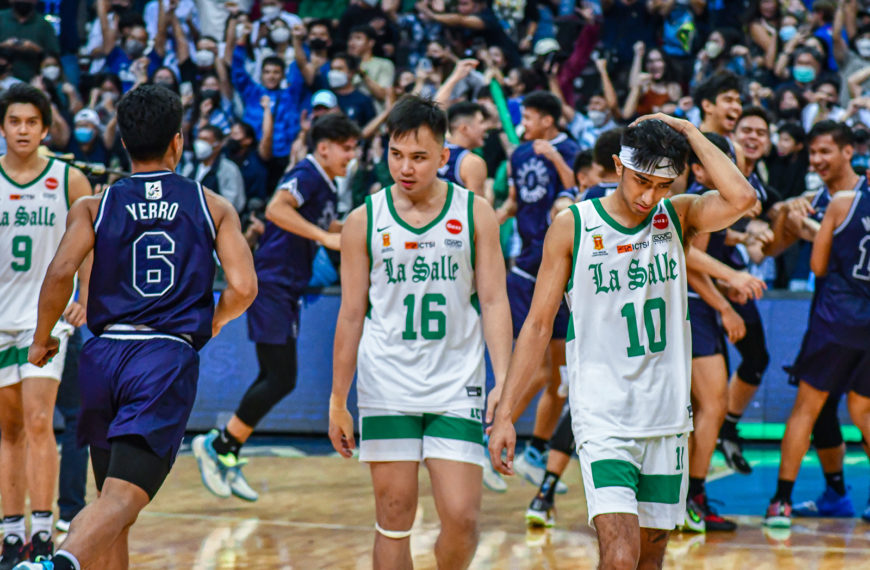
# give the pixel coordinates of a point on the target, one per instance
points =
(629, 363)
(420, 366)
(32, 223)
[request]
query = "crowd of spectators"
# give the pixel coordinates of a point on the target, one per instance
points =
(253, 74)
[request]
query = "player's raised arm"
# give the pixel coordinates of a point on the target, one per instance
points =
(236, 260)
(57, 287)
(349, 328)
(537, 330)
(837, 211)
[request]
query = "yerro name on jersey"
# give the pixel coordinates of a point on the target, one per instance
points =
(153, 210)
(660, 270)
(442, 269)
(42, 216)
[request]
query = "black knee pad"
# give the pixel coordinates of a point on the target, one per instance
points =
(826, 431)
(753, 351)
(563, 437)
(133, 461)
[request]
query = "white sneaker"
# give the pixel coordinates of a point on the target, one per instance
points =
(210, 467)
(492, 479)
(532, 466)
(239, 485)
(62, 525)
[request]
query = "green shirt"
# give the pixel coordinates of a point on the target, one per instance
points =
(25, 64)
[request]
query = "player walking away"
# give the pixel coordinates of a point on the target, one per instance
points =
(301, 214)
(831, 150)
(467, 123)
(35, 195)
(543, 184)
(621, 261)
(422, 288)
(154, 236)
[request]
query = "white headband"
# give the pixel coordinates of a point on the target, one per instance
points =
(665, 167)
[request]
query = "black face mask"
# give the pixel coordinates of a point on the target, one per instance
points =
(436, 61)
(23, 9)
(408, 88)
(212, 94)
(233, 147)
(790, 114)
(317, 44)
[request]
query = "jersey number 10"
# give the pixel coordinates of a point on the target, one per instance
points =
(635, 348)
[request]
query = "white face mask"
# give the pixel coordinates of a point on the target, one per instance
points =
(240, 31)
(597, 118)
(280, 35)
(51, 72)
(336, 79)
(270, 12)
(713, 49)
(202, 149)
(203, 58)
(863, 47)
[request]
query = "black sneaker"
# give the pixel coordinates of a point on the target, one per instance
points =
(732, 449)
(541, 513)
(712, 520)
(41, 546)
(14, 551)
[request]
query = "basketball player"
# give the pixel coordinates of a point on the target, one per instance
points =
(35, 195)
(422, 288)
(718, 99)
(621, 261)
(606, 147)
(300, 214)
(154, 235)
(543, 180)
(467, 124)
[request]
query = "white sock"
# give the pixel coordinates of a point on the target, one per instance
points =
(40, 521)
(69, 557)
(14, 526)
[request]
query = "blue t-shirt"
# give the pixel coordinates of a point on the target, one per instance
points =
(450, 171)
(118, 62)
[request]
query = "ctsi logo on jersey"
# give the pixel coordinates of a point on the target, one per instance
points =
(624, 248)
(660, 221)
(454, 226)
(21, 196)
(51, 183)
(385, 238)
(153, 190)
(419, 244)
(598, 245)
(628, 248)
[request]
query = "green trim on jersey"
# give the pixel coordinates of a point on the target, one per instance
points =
(418, 426)
(659, 488)
(475, 302)
(675, 217)
(32, 182)
(392, 427)
(13, 356)
(369, 224)
(648, 488)
(614, 473)
(428, 226)
(575, 210)
(66, 186)
(570, 335)
(616, 225)
(471, 230)
(447, 427)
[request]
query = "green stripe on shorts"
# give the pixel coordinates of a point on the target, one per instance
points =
(13, 356)
(392, 427)
(446, 427)
(614, 473)
(659, 488)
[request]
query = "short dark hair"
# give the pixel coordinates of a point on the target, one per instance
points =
(840, 132)
(718, 140)
(609, 143)
(26, 93)
(654, 140)
(718, 83)
(215, 131)
(335, 127)
(755, 111)
(411, 112)
(321, 22)
(149, 117)
(582, 160)
(131, 19)
(274, 60)
(248, 130)
(545, 103)
(351, 61)
(364, 29)
(464, 109)
(795, 130)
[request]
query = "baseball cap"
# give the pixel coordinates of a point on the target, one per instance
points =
(545, 46)
(88, 116)
(324, 98)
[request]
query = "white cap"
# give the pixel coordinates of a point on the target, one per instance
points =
(88, 116)
(324, 98)
(545, 46)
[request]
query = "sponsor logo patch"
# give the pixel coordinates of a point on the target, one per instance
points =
(454, 243)
(386, 240)
(598, 245)
(454, 226)
(629, 247)
(624, 248)
(662, 238)
(153, 190)
(49, 196)
(660, 221)
(411, 245)
(473, 391)
(21, 196)
(51, 183)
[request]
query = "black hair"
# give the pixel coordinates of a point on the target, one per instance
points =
(175, 86)
(365, 29)
(274, 60)
(351, 61)
(582, 160)
(26, 93)
(780, 94)
(216, 132)
(654, 140)
(335, 127)
(111, 78)
(545, 103)
(149, 117)
(755, 111)
(668, 74)
(821, 58)
(840, 132)
(248, 130)
(321, 22)
(718, 140)
(609, 143)
(828, 79)
(130, 19)
(826, 8)
(718, 83)
(413, 112)
(464, 109)
(795, 131)
(211, 39)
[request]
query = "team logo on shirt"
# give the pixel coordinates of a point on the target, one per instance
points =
(385, 239)
(454, 226)
(662, 238)
(153, 190)
(51, 183)
(454, 243)
(534, 180)
(660, 221)
(419, 244)
(598, 245)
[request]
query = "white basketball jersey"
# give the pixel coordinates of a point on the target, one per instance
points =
(629, 340)
(422, 343)
(32, 221)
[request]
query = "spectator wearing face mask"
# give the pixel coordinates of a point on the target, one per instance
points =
(124, 47)
(355, 104)
(66, 92)
(241, 148)
(27, 36)
(87, 144)
(211, 112)
(856, 67)
(214, 171)
(270, 11)
(311, 67)
(185, 11)
(204, 62)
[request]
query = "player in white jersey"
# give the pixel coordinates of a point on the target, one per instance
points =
(35, 194)
(423, 285)
(620, 262)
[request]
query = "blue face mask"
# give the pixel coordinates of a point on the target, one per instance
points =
(803, 73)
(786, 33)
(84, 134)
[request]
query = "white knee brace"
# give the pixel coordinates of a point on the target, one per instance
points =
(394, 534)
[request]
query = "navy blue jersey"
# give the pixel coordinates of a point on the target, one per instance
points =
(154, 261)
(285, 258)
(822, 198)
(450, 171)
(844, 300)
(600, 190)
(716, 247)
(537, 185)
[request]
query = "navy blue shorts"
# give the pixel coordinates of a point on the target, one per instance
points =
(831, 367)
(708, 338)
(137, 387)
(748, 311)
(520, 291)
(273, 317)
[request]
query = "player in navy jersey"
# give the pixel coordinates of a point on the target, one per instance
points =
(301, 214)
(606, 147)
(154, 236)
(542, 184)
(467, 123)
(835, 357)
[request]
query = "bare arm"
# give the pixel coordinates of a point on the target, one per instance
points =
(264, 147)
(856, 79)
(473, 173)
(742, 282)
(460, 71)
(834, 216)
(182, 47)
(282, 211)
(607, 87)
(109, 33)
(840, 47)
(162, 30)
(349, 327)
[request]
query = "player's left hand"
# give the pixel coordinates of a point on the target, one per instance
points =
(341, 430)
(682, 126)
(492, 403)
(502, 437)
(75, 314)
(39, 354)
(544, 148)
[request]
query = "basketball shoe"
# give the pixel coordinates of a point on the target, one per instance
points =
(212, 467)
(541, 512)
(14, 551)
(532, 465)
(778, 515)
(41, 546)
(829, 504)
(699, 507)
(238, 484)
(732, 449)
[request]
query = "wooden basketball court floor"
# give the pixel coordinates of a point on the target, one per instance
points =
(318, 512)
